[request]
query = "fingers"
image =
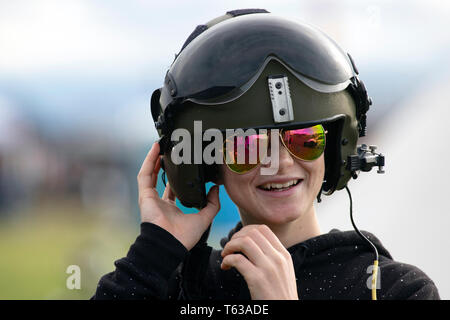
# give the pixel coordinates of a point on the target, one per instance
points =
(258, 243)
(264, 234)
(148, 173)
(248, 247)
(150, 160)
(261, 241)
(168, 193)
(248, 263)
(212, 207)
(265, 264)
(238, 261)
(154, 179)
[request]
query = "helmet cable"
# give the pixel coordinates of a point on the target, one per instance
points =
(375, 263)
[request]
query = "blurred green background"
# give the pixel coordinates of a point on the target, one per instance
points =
(37, 251)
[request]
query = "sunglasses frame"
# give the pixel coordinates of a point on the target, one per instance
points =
(284, 144)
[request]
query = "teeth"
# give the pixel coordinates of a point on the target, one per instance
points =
(269, 186)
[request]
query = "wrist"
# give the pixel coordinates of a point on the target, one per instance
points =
(156, 250)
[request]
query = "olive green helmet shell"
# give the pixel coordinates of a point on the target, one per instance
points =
(340, 111)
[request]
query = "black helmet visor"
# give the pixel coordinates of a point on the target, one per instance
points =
(229, 54)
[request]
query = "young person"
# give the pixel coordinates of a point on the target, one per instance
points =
(249, 69)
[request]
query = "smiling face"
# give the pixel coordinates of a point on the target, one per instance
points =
(276, 199)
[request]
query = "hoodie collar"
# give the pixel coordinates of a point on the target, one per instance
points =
(332, 240)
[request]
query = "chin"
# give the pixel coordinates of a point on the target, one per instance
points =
(276, 215)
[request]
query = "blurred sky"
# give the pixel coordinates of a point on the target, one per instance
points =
(74, 64)
(79, 75)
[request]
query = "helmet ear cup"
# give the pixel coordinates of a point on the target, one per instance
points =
(212, 173)
(190, 190)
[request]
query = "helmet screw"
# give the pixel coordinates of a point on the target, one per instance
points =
(278, 85)
(344, 141)
(282, 112)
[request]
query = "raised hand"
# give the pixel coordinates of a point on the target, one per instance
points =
(187, 228)
(265, 263)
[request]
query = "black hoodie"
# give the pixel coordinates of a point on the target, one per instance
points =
(335, 265)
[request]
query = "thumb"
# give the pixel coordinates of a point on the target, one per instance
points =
(212, 207)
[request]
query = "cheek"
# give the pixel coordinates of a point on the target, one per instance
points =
(228, 182)
(316, 171)
(237, 186)
(319, 169)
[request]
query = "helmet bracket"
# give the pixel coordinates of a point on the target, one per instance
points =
(281, 98)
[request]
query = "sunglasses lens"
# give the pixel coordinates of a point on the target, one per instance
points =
(305, 144)
(243, 153)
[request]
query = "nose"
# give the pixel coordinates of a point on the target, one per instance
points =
(285, 158)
